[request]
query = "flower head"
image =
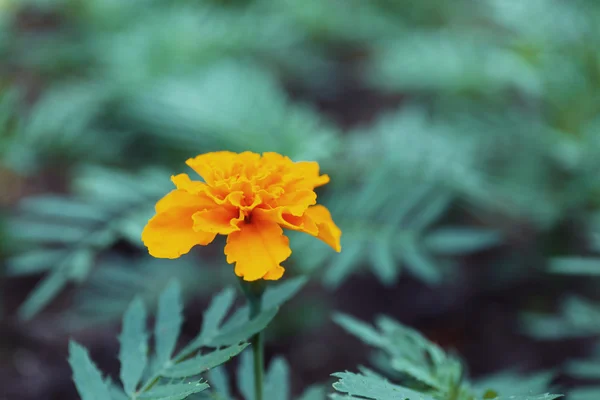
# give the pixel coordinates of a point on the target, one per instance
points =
(249, 198)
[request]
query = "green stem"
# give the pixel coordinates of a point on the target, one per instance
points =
(258, 353)
(254, 292)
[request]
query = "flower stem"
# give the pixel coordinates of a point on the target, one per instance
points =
(258, 353)
(254, 292)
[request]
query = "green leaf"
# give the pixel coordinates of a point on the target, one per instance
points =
(134, 346)
(419, 263)
(43, 293)
(168, 322)
(455, 241)
(216, 312)
(374, 388)
(359, 329)
(88, 379)
(546, 396)
(34, 261)
(509, 383)
(575, 266)
(217, 377)
(313, 393)
(49, 206)
(585, 393)
(245, 375)
(277, 380)
(586, 369)
(204, 362)
(276, 295)
(385, 267)
(176, 391)
(237, 334)
(344, 263)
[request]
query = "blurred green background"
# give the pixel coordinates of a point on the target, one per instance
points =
(462, 139)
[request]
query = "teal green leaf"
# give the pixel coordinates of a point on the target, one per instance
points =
(237, 334)
(134, 346)
(34, 261)
(385, 267)
(344, 263)
(585, 393)
(216, 312)
(176, 391)
(276, 295)
(88, 379)
(374, 388)
(203, 362)
(168, 322)
(277, 380)
(315, 392)
(43, 293)
(419, 263)
(359, 329)
(245, 375)
(575, 266)
(546, 396)
(585, 369)
(459, 240)
(219, 381)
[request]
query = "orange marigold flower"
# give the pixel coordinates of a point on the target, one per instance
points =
(249, 198)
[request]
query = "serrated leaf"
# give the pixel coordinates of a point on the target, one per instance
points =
(585, 393)
(62, 208)
(47, 232)
(429, 211)
(216, 312)
(316, 392)
(176, 391)
(218, 379)
(455, 241)
(415, 371)
(34, 261)
(245, 375)
(203, 362)
(359, 329)
(277, 380)
(384, 265)
(242, 333)
(133, 353)
(575, 266)
(584, 369)
(87, 377)
(374, 388)
(419, 263)
(546, 396)
(168, 322)
(509, 383)
(43, 293)
(344, 263)
(276, 295)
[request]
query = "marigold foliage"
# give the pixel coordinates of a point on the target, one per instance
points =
(249, 198)
(166, 374)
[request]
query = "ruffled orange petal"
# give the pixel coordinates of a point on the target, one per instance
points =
(284, 219)
(177, 199)
(170, 234)
(222, 220)
(328, 230)
(222, 165)
(297, 202)
(183, 182)
(309, 170)
(258, 250)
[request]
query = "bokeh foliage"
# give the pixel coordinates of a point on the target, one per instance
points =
(448, 128)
